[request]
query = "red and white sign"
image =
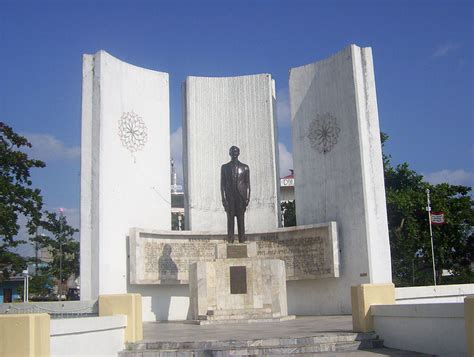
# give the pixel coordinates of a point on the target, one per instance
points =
(287, 181)
(437, 218)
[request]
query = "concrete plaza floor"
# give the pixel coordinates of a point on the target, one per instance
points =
(302, 326)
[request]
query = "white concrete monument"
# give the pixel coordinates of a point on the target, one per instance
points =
(339, 173)
(125, 167)
(125, 183)
(219, 113)
(238, 286)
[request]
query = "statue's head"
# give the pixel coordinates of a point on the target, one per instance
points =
(234, 152)
(167, 250)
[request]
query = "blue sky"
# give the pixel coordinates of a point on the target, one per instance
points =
(423, 56)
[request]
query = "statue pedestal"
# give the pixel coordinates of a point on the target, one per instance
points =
(238, 286)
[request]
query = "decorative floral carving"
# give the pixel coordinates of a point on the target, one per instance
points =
(132, 131)
(323, 133)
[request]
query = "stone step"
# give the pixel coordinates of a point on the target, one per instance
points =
(337, 342)
(241, 320)
(241, 316)
(230, 312)
(259, 350)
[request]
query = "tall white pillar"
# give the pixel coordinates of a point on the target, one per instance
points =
(338, 168)
(125, 171)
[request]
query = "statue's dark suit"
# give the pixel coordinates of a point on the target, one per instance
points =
(235, 191)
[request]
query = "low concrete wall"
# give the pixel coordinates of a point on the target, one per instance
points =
(427, 328)
(163, 302)
(433, 294)
(89, 336)
(163, 257)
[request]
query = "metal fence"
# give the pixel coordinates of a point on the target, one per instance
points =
(57, 310)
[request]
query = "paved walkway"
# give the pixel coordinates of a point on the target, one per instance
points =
(300, 327)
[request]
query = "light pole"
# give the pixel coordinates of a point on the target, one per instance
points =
(25, 285)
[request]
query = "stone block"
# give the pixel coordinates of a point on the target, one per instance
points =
(469, 321)
(236, 250)
(365, 295)
(244, 289)
(25, 335)
(309, 252)
(125, 304)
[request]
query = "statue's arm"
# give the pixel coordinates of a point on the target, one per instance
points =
(224, 200)
(248, 185)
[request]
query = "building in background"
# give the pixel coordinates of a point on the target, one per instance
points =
(177, 202)
(287, 187)
(10, 289)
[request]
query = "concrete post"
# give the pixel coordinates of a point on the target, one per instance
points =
(469, 321)
(25, 335)
(125, 304)
(364, 295)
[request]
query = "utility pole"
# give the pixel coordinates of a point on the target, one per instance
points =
(428, 208)
(61, 211)
(36, 253)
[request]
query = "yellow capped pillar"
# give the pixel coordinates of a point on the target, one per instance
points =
(364, 295)
(25, 335)
(469, 321)
(125, 304)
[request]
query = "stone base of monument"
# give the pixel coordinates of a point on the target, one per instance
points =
(238, 287)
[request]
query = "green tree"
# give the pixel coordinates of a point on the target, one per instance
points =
(408, 224)
(40, 286)
(17, 197)
(63, 247)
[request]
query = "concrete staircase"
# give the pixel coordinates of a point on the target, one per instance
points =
(303, 346)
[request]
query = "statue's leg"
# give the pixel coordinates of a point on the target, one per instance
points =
(230, 227)
(241, 225)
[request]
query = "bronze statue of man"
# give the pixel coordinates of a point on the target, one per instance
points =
(235, 192)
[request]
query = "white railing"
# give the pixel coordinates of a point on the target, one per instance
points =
(433, 294)
(56, 309)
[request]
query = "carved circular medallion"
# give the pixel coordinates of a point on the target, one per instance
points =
(132, 131)
(323, 133)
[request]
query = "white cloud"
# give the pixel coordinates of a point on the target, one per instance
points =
(177, 152)
(453, 177)
(283, 108)
(444, 49)
(286, 160)
(46, 147)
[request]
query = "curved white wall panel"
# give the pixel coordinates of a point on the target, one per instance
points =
(125, 169)
(338, 169)
(219, 113)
